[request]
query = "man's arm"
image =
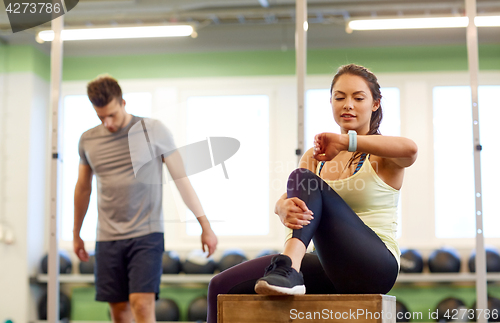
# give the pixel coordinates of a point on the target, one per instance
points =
(82, 197)
(177, 171)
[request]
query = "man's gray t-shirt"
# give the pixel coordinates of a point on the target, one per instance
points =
(129, 202)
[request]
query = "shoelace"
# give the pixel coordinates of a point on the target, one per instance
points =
(277, 269)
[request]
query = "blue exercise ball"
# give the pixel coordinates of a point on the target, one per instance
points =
(171, 263)
(64, 306)
(65, 265)
(230, 258)
(411, 261)
(197, 310)
(166, 309)
(492, 261)
(444, 260)
(87, 267)
(197, 263)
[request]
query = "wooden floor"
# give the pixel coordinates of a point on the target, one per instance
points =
(306, 308)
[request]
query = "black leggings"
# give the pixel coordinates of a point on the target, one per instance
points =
(350, 258)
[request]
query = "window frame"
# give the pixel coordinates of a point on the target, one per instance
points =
(472, 189)
(234, 87)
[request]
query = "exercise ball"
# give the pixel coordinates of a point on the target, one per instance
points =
(197, 310)
(267, 252)
(493, 305)
(231, 258)
(402, 313)
(166, 309)
(444, 261)
(198, 263)
(449, 306)
(411, 261)
(65, 266)
(171, 263)
(87, 267)
(492, 261)
(64, 307)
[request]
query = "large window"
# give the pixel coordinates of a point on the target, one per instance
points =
(454, 161)
(78, 117)
(238, 205)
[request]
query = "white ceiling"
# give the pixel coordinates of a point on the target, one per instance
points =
(224, 25)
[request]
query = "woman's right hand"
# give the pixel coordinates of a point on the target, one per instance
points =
(293, 213)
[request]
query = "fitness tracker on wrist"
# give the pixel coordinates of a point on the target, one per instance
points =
(353, 142)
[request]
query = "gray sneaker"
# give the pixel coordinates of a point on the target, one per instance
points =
(281, 279)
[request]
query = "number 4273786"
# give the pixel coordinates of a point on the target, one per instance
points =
(33, 7)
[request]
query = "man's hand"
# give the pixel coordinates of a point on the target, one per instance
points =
(208, 240)
(79, 248)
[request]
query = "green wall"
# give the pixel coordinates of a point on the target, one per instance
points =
(403, 59)
(319, 61)
(25, 58)
(250, 63)
(2, 58)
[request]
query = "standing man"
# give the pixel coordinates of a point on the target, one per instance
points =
(129, 243)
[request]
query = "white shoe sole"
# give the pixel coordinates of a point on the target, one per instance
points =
(263, 288)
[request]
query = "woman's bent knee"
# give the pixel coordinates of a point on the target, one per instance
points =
(302, 179)
(216, 285)
(301, 173)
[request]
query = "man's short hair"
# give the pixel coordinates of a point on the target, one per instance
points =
(103, 89)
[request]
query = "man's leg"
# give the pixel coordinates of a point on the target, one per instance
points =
(144, 273)
(120, 312)
(143, 307)
(111, 279)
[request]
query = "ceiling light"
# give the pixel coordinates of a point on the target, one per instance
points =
(119, 32)
(487, 21)
(408, 23)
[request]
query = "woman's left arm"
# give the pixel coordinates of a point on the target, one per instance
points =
(399, 150)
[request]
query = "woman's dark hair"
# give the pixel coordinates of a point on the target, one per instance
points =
(103, 90)
(372, 82)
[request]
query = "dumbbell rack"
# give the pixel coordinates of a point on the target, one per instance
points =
(443, 277)
(205, 279)
(165, 279)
